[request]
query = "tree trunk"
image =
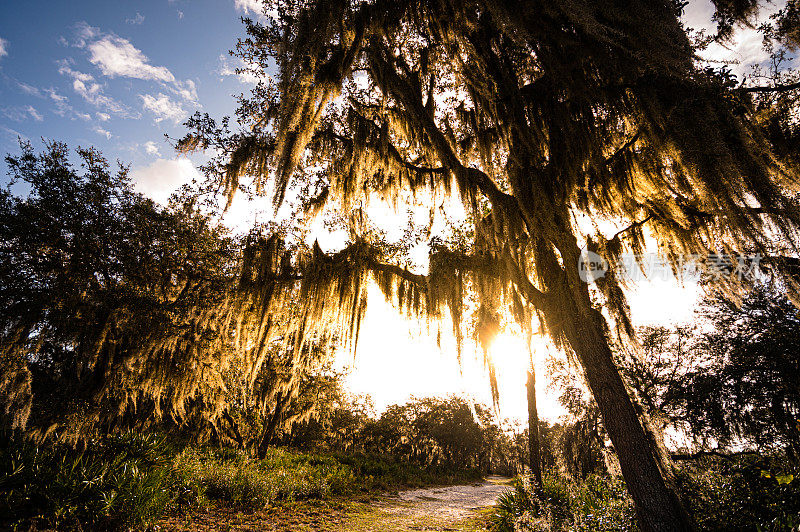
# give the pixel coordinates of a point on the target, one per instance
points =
(645, 467)
(533, 430)
(269, 431)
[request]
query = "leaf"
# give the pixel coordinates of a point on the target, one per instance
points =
(784, 479)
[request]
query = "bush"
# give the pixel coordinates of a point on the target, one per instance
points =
(382, 472)
(236, 478)
(599, 503)
(124, 481)
(131, 480)
(745, 492)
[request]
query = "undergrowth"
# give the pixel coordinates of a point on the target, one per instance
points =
(598, 503)
(745, 492)
(132, 480)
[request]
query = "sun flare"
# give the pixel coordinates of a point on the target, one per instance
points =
(398, 358)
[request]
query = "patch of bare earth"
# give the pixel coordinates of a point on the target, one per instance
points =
(458, 508)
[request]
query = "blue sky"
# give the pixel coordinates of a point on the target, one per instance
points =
(117, 75)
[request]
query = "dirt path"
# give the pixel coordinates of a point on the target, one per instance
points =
(459, 508)
(444, 508)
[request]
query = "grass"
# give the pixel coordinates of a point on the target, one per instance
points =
(133, 480)
(598, 503)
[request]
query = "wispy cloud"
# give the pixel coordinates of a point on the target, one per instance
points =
(30, 90)
(163, 107)
(137, 20)
(185, 89)
(100, 131)
(116, 56)
(3, 47)
(234, 66)
(22, 113)
(91, 91)
(12, 134)
(60, 101)
(34, 113)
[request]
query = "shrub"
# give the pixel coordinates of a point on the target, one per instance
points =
(124, 481)
(746, 492)
(238, 479)
(599, 503)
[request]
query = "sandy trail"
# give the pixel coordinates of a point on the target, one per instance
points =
(445, 508)
(448, 508)
(447, 503)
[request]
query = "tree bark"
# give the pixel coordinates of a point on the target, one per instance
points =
(645, 467)
(534, 449)
(269, 431)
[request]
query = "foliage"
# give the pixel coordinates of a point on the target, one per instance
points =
(131, 480)
(124, 481)
(105, 298)
(749, 392)
(599, 502)
(119, 313)
(743, 492)
(733, 385)
(544, 117)
(438, 432)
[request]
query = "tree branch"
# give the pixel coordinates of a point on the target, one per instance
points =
(634, 225)
(401, 89)
(774, 88)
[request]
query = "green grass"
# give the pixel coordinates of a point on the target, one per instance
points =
(132, 480)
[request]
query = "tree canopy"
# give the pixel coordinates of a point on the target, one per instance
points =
(544, 117)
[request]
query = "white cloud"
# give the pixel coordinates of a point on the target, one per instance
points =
(103, 117)
(229, 65)
(91, 91)
(116, 56)
(100, 131)
(163, 107)
(3, 47)
(255, 6)
(745, 48)
(151, 148)
(185, 89)
(34, 113)
(137, 20)
(161, 178)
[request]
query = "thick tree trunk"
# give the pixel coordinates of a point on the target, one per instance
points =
(534, 450)
(649, 482)
(645, 467)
